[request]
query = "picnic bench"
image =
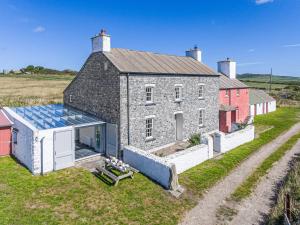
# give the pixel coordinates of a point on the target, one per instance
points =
(113, 164)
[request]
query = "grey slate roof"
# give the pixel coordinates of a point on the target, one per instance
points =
(226, 83)
(259, 96)
(131, 61)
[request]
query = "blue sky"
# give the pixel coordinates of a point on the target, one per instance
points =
(54, 33)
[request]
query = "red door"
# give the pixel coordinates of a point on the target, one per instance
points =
(5, 141)
(267, 107)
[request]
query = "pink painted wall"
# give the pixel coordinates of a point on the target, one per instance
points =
(241, 101)
(225, 121)
(5, 141)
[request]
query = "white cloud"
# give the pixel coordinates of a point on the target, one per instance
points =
(249, 64)
(39, 29)
(260, 2)
(251, 50)
(291, 45)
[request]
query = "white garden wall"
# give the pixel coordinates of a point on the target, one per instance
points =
(150, 165)
(189, 158)
(225, 142)
(272, 106)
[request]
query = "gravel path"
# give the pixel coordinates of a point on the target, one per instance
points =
(254, 209)
(205, 212)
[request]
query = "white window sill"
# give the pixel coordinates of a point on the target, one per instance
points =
(201, 98)
(178, 100)
(150, 103)
(149, 139)
(201, 126)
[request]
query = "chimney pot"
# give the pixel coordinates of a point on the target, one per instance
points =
(228, 68)
(101, 42)
(194, 53)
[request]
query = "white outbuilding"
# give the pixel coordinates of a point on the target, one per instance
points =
(261, 102)
(53, 137)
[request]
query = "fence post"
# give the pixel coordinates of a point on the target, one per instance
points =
(287, 206)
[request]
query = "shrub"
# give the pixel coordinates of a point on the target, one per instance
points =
(195, 139)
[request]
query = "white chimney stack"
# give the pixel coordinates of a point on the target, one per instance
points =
(101, 42)
(228, 68)
(195, 53)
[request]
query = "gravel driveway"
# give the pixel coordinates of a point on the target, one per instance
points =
(205, 212)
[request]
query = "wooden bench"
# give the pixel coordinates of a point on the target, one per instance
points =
(105, 170)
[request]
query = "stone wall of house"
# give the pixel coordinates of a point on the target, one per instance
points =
(164, 108)
(96, 89)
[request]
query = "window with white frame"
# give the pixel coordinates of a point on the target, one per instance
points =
(149, 94)
(201, 91)
(149, 127)
(226, 92)
(237, 92)
(178, 92)
(201, 117)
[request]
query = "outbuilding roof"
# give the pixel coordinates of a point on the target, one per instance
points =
(259, 96)
(131, 61)
(227, 83)
(4, 121)
(55, 116)
(227, 108)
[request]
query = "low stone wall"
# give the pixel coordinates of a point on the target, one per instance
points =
(190, 157)
(152, 166)
(225, 142)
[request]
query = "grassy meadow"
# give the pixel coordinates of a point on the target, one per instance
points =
(22, 90)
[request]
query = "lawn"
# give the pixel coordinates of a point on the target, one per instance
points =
(205, 175)
(75, 196)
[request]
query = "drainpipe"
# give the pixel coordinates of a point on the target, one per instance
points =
(128, 123)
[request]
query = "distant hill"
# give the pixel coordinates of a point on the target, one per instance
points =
(264, 78)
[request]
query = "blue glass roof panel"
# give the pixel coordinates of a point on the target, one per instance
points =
(55, 116)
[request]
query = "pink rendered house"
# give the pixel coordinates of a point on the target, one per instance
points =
(233, 97)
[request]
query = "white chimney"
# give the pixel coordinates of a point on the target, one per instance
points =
(101, 42)
(228, 68)
(195, 53)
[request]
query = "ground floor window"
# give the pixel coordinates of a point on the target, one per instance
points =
(149, 127)
(201, 117)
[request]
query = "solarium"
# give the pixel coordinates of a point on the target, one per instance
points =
(52, 137)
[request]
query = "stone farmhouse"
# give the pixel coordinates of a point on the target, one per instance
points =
(152, 99)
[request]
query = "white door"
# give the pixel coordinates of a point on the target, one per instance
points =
(64, 152)
(111, 140)
(179, 126)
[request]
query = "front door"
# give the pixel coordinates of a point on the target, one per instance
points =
(64, 152)
(179, 126)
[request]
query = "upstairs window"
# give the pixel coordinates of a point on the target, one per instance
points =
(201, 117)
(149, 93)
(226, 92)
(178, 92)
(149, 128)
(201, 91)
(237, 92)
